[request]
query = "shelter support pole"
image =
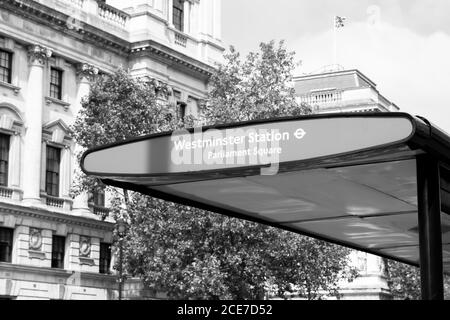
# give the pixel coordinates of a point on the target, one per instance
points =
(430, 238)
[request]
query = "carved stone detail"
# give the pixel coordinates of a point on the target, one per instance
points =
(88, 71)
(162, 89)
(85, 246)
(35, 239)
(39, 54)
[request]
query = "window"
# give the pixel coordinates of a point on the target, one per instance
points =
(52, 171)
(6, 240)
(181, 110)
(97, 198)
(58, 245)
(55, 83)
(4, 156)
(5, 66)
(105, 257)
(178, 14)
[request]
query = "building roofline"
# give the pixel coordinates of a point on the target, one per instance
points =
(91, 34)
(336, 73)
(57, 20)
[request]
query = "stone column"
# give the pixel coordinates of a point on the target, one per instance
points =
(38, 56)
(194, 19)
(86, 73)
(187, 17)
(170, 13)
(209, 18)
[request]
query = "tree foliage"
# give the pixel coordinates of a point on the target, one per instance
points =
(404, 281)
(259, 87)
(187, 252)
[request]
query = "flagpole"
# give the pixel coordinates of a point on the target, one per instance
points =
(334, 42)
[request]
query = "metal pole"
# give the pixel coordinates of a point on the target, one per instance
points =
(334, 42)
(120, 268)
(430, 238)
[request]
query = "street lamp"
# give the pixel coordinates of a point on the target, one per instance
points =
(121, 231)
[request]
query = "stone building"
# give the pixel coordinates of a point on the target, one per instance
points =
(53, 246)
(339, 90)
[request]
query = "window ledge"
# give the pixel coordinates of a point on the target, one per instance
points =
(50, 100)
(36, 254)
(10, 86)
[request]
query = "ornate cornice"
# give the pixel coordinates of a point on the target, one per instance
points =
(47, 215)
(57, 20)
(53, 275)
(171, 56)
(38, 54)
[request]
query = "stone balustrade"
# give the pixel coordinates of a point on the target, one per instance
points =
(180, 39)
(104, 11)
(100, 211)
(54, 202)
(5, 192)
(112, 14)
(321, 97)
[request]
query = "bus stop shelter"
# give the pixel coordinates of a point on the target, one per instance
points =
(375, 182)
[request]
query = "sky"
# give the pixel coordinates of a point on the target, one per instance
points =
(401, 45)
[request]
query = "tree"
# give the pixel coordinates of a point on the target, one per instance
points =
(305, 266)
(119, 107)
(187, 252)
(404, 281)
(259, 87)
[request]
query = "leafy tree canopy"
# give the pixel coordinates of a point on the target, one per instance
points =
(257, 87)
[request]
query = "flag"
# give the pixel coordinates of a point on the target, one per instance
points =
(339, 22)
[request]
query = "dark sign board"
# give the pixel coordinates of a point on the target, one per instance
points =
(247, 145)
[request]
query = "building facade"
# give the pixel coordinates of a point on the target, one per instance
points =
(339, 90)
(53, 246)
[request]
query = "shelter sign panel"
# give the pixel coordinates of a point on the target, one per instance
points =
(246, 145)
